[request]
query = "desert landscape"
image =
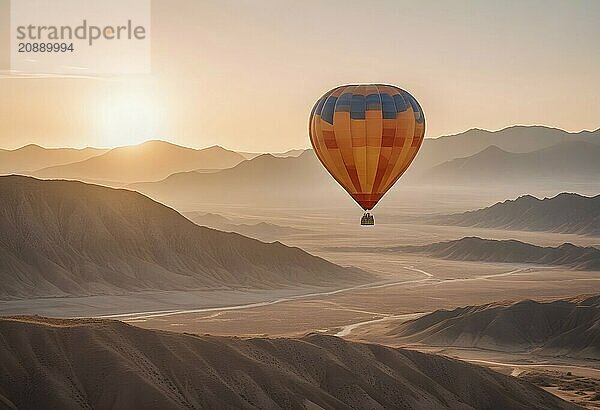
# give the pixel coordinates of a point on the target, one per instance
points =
(299, 205)
(511, 286)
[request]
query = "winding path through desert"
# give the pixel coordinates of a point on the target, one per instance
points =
(588, 371)
(346, 330)
(430, 278)
(161, 313)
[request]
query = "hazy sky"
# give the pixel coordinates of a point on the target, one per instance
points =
(245, 74)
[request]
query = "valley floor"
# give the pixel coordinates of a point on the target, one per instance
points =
(407, 286)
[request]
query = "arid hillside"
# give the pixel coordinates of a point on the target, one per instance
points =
(568, 327)
(51, 363)
(62, 238)
(565, 213)
(264, 180)
(510, 251)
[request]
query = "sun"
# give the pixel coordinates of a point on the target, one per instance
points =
(128, 117)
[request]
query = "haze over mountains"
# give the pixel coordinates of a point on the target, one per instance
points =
(285, 181)
(51, 363)
(565, 213)
(516, 139)
(263, 231)
(520, 157)
(510, 251)
(289, 153)
(265, 180)
(62, 238)
(563, 162)
(435, 151)
(32, 157)
(562, 327)
(150, 161)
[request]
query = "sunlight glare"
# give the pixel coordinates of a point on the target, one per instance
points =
(129, 117)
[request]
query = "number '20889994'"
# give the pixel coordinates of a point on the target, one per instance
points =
(45, 47)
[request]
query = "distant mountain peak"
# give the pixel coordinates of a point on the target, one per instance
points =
(152, 160)
(523, 198)
(493, 149)
(511, 128)
(529, 127)
(566, 212)
(216, 148)
(31, 146)
(564, 162)
(267, 155)
(151, 143)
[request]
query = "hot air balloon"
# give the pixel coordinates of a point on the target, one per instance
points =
(366, 136)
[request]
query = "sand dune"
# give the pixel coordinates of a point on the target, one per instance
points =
(62, 238)
(150, 161)
(565, 213)
(31, 157)
(564, 327)
(107, 364)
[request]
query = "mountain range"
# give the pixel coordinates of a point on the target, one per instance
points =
(264, 231)
(265, 180)
(575, 161)
(510, 251)
(289, 153)
(33, 157)
(150, 161)
(516, 156)
(60, 238)
(302, 181)
(569, 327)
(87, 363)
(516, 139)
(565, 213)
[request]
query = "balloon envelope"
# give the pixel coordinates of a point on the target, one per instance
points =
(366, 136)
